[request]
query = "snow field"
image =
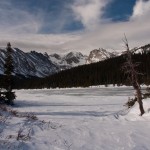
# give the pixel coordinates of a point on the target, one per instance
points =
(77, 119)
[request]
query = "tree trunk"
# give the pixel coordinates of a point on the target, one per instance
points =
(139, 99)
(138, 95)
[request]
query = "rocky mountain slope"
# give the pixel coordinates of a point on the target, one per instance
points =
(29, 64)
(41, 65)
(69, 60)
(99, 55)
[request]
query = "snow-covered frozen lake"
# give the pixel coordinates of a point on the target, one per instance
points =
(84, 119)
(73, 103)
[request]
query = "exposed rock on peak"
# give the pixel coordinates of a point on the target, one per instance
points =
(97, 55)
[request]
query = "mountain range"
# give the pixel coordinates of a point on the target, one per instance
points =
(41, 65)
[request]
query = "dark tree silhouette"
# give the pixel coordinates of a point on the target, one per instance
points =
(8, 70)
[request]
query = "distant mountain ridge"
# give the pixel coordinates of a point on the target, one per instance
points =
(41, 65)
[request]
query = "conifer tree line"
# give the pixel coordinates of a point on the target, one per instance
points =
(102, 73)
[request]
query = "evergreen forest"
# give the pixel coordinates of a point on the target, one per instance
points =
(102, 73)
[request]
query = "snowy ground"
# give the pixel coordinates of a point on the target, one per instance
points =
(76, 119)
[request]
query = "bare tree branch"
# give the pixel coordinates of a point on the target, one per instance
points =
(130, 68)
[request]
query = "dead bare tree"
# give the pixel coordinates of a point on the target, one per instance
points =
(131, 69)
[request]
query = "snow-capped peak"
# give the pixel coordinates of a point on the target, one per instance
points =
(97, 55)
(68, 60)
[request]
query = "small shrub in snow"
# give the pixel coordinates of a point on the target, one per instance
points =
(31, 116)
(22, 135)
(9, 97)
(130, 102)
(3, 108)
(14, 113)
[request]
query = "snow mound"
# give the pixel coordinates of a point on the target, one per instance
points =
(134, 112)
(24, 131)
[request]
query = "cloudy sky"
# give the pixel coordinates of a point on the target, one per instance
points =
(74, 25)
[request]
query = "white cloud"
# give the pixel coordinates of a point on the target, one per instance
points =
(141, 9)
(13, 20)
(89, 12)
(24, 29)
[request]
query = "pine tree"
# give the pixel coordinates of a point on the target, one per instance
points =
(8, 70)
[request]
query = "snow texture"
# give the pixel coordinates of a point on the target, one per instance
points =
(75, 119)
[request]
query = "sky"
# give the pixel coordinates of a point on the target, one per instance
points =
(60, 26)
